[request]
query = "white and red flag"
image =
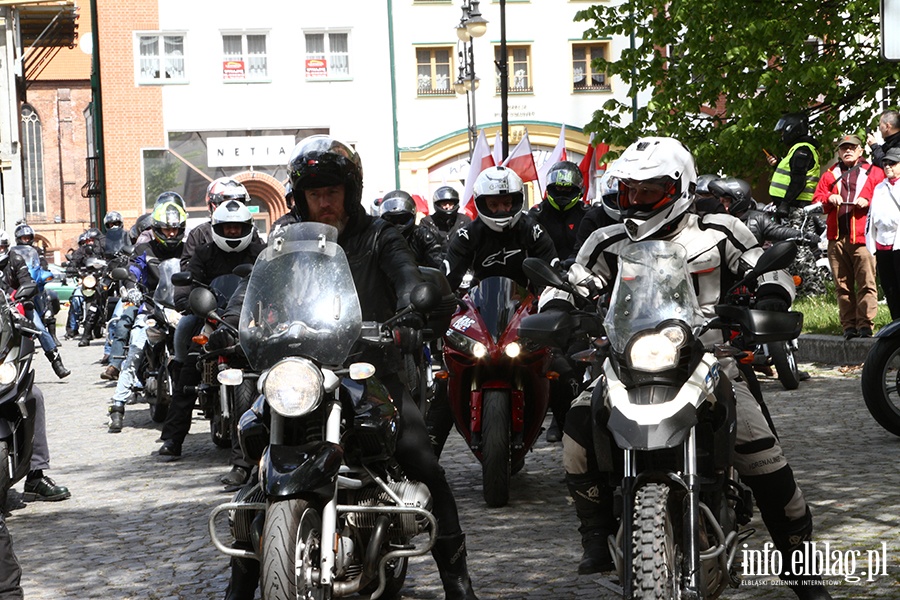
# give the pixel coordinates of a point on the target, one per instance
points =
(481, 160)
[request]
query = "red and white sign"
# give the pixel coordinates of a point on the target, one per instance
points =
(233, 69)
(316, 67)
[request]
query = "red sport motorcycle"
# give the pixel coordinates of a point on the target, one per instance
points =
(497, 385)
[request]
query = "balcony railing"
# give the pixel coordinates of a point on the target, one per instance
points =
(91, 189)
(428, 91)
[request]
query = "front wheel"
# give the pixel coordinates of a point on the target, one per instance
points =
(292, 529)
(655, 564)
(881, 383)
(785, 363)
(159, 408)
(495, 467)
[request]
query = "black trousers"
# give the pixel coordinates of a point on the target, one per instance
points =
(10, 573)
(887, 263)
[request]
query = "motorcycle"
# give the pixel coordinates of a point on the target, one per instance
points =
(227, 385)
(881, 378)
(152, 371)
(661, 396)
(17, 402)
(332, 514)
(498, 387)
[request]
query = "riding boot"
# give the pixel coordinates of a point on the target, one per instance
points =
(450, 555)
(116, 418)
(791, 538)
(57, 364)
(88, 331)
(439, 419)
(51, 329)
(244, 579)
(594, 507)
(85, 338)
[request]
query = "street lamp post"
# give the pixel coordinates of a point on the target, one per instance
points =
(503, 67)
(471, 25)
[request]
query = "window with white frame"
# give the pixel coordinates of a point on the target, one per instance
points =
(518, 64)
(585, 77)
(327, 55)
(33, 160)
(160, 58)
(244, 57)
(433, 71)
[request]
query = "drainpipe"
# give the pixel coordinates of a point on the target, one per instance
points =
(98, 118)
(390, 15)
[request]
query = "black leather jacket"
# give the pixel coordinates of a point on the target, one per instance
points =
(17, 277)
(561, 225)
(208, 262)
(764, 227)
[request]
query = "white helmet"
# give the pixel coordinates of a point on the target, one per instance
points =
(657, 178)
(231, 212)
(499, 181)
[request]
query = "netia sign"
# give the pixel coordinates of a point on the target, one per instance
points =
(249, 151)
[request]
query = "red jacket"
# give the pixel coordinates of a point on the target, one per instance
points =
(865, 181)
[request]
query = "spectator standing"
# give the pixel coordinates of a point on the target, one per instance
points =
(884, 224)
(889, 127)
(845, 192)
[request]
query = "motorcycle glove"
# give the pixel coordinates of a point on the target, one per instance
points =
(408, 339)
(221, 338)
(811, 239)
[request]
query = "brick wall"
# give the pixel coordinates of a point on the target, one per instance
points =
(132, 114)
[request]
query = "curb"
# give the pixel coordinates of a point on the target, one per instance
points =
(833, 349)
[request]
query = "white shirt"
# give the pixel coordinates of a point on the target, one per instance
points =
(884, 216)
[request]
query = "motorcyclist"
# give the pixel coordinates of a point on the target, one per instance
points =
(168, 226)
(87, 248)
(736, 198)
(501, 237)
(560, 214)
(19, 279)
(797, 174)
(604, 210)
(494, 244)
(705, 201)
(231, 246)
(445, 217)
(217, 192)
(141, 224)
(145, 222)
(399, 209)
(657, 179)
(326, 177)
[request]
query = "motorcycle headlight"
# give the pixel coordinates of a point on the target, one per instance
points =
(8, 372)
(466, 344)
(89, 281)
(293, 387)
(658, 350)
(512, 349)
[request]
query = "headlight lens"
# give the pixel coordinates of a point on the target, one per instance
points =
(466, 344)
(512, 349)
(89, 281)
(8, 372)
(658, 350)
(293, 387)
(479, 350)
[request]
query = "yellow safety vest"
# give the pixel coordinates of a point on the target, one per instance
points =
(782, 176)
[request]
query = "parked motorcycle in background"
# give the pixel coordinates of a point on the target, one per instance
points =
(333, 514)
(498, 387)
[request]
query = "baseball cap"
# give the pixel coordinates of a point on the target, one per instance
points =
(849, 139)
(892, 155)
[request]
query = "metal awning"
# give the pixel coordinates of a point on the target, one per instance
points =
(44, 29)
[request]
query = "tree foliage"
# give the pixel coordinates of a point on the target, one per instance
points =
(721, 74)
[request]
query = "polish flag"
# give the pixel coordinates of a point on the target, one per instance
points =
(481, 160)
(521, 160)
(498, 149)
(558, 154)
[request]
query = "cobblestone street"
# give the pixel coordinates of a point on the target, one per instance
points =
(136, 528)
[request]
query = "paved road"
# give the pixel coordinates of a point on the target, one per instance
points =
(135, 528)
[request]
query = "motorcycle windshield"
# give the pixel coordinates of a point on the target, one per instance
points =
(223, 287)
(653, 285)
(6, 330)
(301, 299)
(115, 239)
(30, 255)
(497, 299)
(165, 291)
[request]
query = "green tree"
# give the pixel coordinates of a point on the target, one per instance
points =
(721, 74)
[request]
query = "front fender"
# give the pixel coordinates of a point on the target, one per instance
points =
(299, 471)
(890, 330)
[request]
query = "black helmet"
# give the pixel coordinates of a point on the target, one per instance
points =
(321, 161)
(565, 185)
(398, 208)
(93, 233)
(24, 234)
(446, 205)
(83, 238)
(112, 219)
(792, 126)
(169, 197)
(143, 223)
(736, 192)
(705, 201)
(289, 195)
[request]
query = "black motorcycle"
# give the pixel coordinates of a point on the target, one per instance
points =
(881, 378)
(17, 402)
(333, 515)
